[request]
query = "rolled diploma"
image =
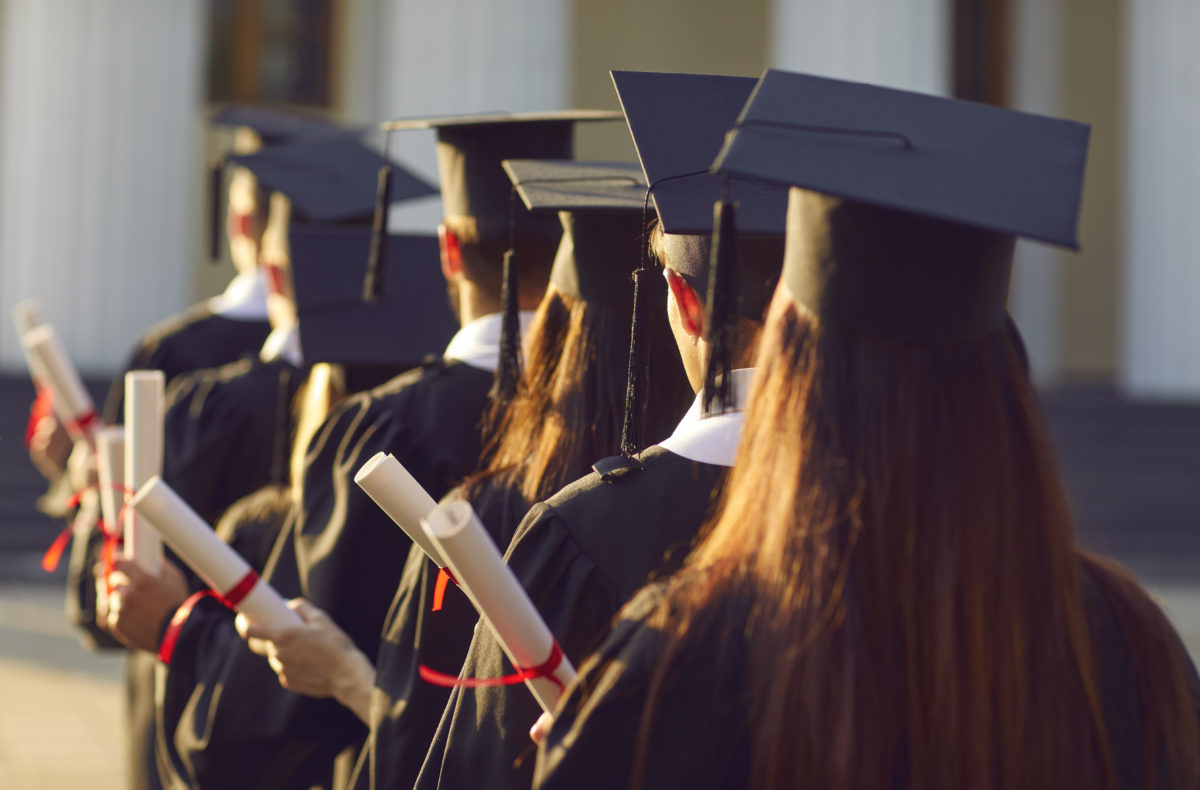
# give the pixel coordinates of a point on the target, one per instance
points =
(54, 369)
(143, 459)
(26, 315)
(399, 495)
(211, 558)
(501, 600)
(110, 470)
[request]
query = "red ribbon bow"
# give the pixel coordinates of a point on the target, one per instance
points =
(439, 588)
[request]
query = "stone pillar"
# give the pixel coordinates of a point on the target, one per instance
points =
(98, 125)
(898, 44)
(1160, 349)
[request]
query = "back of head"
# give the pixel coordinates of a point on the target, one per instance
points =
(569, 408)
(913, 574)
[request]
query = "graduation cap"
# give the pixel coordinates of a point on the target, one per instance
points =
(274, 126)
(910, 202)
(401, 328)
(269, 126)
(600, 207)
(678, 123)
(470, 149)
(329, 180)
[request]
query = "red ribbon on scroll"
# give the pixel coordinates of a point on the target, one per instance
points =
(112, 537)
(439, 588)
(231, 598)
(542, 670)
(83, 422)
(42, 407)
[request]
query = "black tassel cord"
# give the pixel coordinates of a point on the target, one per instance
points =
(373, 281)
(508, 372)
(719, 395)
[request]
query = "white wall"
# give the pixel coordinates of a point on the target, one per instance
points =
(98, 124)
(898, 43)
(1161, 322)
(461, 56)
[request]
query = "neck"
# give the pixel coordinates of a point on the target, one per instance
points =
(474, 303)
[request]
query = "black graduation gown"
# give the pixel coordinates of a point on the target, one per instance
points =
(226, 722)
(580, 555)
(195, 339)
(227, 432)
(404, 708)
(701, 730)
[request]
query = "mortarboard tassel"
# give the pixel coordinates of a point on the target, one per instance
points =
(216, 189)
(722, 305)
(633, 429)
(377, 257)
(508, 372)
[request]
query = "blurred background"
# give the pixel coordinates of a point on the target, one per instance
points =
(104, 153)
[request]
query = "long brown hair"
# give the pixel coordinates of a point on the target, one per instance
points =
(911, 588)
(569, 407)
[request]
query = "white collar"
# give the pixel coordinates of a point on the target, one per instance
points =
(478, 343)
(284, 341)
(712, 440)
(244, 299)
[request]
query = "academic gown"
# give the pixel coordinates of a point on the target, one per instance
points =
(226, 721)
(195, 339)
(227, 432)
(581, 555)
(701, 732)
(404, 708)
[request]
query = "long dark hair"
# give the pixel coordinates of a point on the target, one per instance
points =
(911, 588)
(569, 407)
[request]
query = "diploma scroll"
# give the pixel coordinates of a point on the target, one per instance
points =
(399, 495)
(213, 560)
(110, 471)
(143, 459)
(501, 600)
(52, 367)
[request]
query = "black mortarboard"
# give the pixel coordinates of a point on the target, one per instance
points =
(273, 126)
(678, 123)
(470, 149)
(329, 180)
(909, 204)
(600, 206)
(409, 321)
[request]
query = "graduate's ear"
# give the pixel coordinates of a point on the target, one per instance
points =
(452, 264)
(688, 303)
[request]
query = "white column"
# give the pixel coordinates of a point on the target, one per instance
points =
(1035, 75)
(886, 42)
(1160, 352)
(465, 56)
(98, 123)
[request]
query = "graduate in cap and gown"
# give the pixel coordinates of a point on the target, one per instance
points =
(890, 595)
(587, 549)
(340, 551)
(566, 411)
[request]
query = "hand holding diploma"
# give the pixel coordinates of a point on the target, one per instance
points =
(502, 602)
(140, 603)
(316, 658)
(222, 568)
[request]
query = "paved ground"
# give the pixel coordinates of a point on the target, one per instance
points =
(1132, 471)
